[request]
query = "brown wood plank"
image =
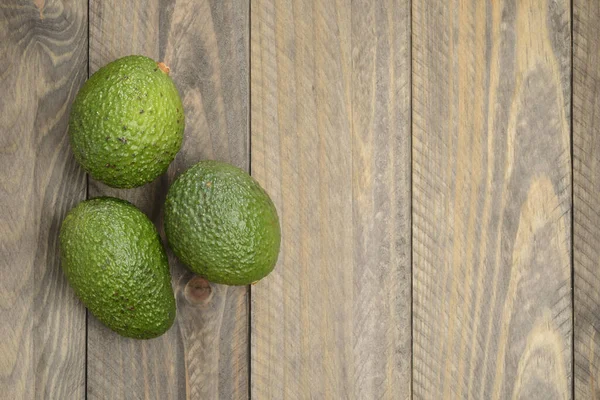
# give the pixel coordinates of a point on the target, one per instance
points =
(330, 126)
(586, 196)
(44, 48)
(205, 355)
(491, 200)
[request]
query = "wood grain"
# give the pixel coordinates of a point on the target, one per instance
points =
(586, 197)
(381, 161)
(491, 200)
(42, 351)
(205, 355)
(330, 127)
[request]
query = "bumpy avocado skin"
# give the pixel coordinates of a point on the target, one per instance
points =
(126, 123)
(222, 224)
(113, 258)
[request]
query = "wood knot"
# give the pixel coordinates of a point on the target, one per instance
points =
(40, 6)
(198, 291)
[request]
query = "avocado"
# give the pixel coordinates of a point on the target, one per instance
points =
(113, 258)
(126, 123)
(222, 224)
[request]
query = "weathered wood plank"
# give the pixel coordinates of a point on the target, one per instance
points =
(586, 196)
(491, 199)
(205, 355)
(381, 168)
(331, 144)
(44, 49)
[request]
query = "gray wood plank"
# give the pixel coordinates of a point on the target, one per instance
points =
(44, 48)
(491, 200)
(205, 355)
(586, 196)
(381, 168)
(330, 133)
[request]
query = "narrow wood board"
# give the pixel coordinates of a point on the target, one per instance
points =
(491, 200)
(205, 355)
(330, 128)
(586, 196)
(44, 48)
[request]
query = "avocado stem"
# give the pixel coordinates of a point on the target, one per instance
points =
(164, 68)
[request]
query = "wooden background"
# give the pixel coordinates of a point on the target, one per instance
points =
(435, 164)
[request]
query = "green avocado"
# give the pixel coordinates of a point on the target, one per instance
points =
(222, 224)
(126, 123)
(113, 258)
